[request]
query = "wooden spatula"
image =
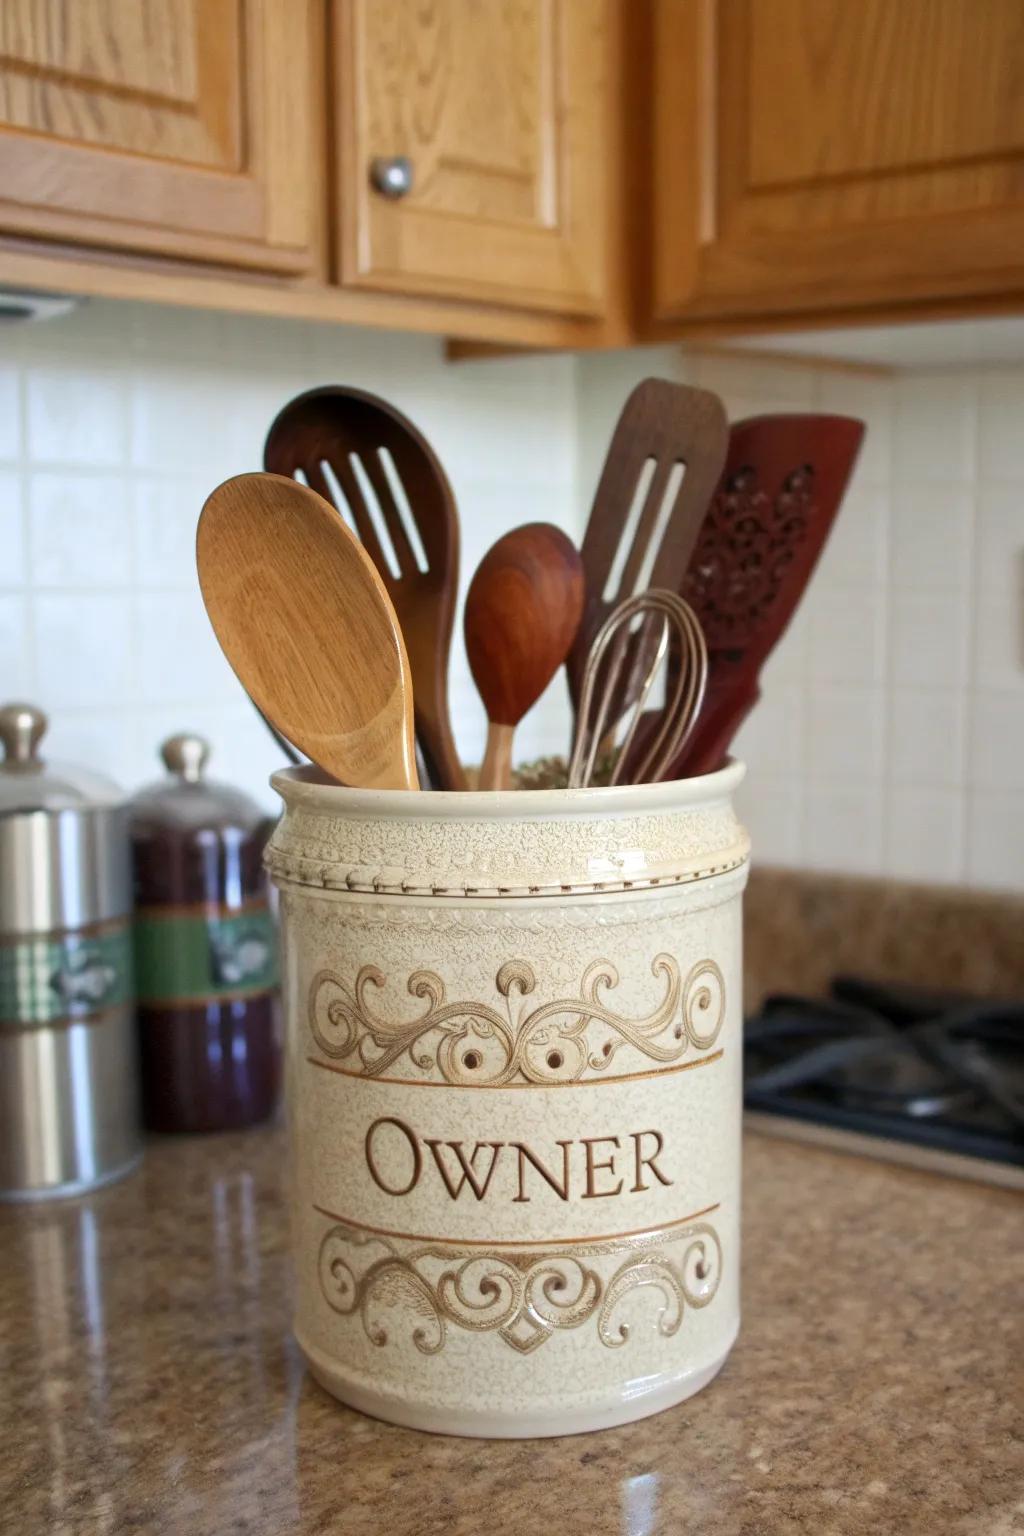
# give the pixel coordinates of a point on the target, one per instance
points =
(369, 461)
(783, 483)
(309, 630)
(667, 452)
(522, 611)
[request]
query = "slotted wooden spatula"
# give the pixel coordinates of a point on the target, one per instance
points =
(355, 449)
(784, 479)
(667, 450)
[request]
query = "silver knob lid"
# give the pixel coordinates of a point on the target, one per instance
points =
(27, 783)
(186, 755)
(22, 728)
(391, 175)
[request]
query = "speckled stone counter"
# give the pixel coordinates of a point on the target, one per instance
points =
(150, 1383)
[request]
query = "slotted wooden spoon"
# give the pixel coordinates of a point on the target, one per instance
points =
(308, 628)
(664, 425)
(784, 480)
(367, 446)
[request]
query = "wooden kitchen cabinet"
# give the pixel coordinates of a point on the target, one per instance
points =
(823, 155)
(501, 111)
(183, 127)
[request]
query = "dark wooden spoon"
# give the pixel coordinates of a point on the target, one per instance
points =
(523, 609)
(668, 447)
(366, 458)
(784, 480)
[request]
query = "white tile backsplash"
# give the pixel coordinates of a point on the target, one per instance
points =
(931, 536)
(76, 412)
(935, 427)
(79, 530)
(772, 736)
(995, 839)
(15, 646)
(179, 660)
(997, 740)
(10, 410)
(1000, 549)
(771, 808)
(844, 733)
(845, 635)
(85, 650)
(870, 398)
(1000, 413)
(164, 512)
(857, 550)
(12, 530)
(999, 639)
(841, 826)
(924, 834)
(788, 386)
(929, 637)
(890, 735)
(926, 740)
(132, 414)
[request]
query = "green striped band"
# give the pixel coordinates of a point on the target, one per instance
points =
(186, 956)
(58, 977)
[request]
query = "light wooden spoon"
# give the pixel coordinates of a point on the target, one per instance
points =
(309, 630)
(523, 608)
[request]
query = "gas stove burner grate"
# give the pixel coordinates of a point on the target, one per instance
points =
(938, 1070)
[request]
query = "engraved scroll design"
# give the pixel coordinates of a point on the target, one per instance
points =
(747, 542)
(525, 1297)
(473, 1043)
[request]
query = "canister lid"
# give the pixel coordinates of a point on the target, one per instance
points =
(29, 783)
(186, 799)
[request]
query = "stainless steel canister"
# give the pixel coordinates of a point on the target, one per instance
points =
(69, 1115)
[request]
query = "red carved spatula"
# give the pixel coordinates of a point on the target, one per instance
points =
(370, 462)
(784, 479)
(664, 460)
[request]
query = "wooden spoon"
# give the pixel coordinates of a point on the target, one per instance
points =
(522, 611)
(367, 459)
(305, 622)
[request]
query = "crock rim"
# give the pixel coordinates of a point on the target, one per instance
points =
(308, 787)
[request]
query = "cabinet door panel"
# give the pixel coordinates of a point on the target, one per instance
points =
(181, 126)
(497, 104)
(833, 154)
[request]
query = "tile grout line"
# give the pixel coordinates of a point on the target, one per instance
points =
(887, 862)
(969, 681)
(24, 490)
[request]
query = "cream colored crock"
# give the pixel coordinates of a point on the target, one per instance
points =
(514, 1030)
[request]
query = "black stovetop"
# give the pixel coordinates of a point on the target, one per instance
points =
(940, 1071)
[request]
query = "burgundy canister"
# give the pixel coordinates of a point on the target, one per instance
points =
(205, 950)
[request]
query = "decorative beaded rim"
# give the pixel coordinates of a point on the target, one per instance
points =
(308, 872)
(393, 832)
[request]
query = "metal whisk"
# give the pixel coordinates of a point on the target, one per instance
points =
(638, 632)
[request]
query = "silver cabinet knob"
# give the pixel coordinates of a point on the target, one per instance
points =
(391, 175)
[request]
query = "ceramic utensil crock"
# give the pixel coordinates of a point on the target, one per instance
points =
(513, 1071)
(68, 1071)
(205, 949)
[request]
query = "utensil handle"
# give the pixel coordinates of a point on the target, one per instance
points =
(439, 752)
(712, 737)
(496, 768)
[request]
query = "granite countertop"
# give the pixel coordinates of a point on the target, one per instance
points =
(151, 1383)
